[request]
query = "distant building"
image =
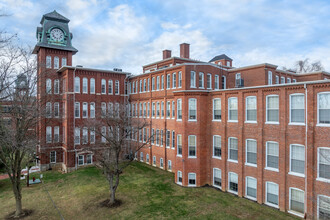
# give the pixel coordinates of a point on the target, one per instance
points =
(255, 131)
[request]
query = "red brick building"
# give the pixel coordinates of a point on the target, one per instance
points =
(255, 131)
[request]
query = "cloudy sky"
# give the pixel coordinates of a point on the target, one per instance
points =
(128, 34)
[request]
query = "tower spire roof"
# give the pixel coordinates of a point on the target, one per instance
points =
(54, 15)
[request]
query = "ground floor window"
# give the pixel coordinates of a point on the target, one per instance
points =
(323, 207)
(169, 165)
(179, 177)
(191, 179)
(89, 159)
(161, 163)
(81, 160)
(154, 160)
(147, 158)
(272, 194)
(251, 187)
(297, 200)
(53, 156)
(217, 177)
(233, 182)
(141, 156)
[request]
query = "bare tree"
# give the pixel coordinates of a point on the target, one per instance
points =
(304, 66)
(118, 143)
(19, 114)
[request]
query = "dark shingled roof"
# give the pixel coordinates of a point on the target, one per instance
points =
(221, 57)
(54, 16)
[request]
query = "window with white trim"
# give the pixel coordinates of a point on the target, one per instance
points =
(89, 159)
(272, 155)
(179, 144)
(174, 80)
(288, 80)
(56, 86)
(223, 82)
(192, 146)
(163, 82)
(92, 136)
(77, 135)
(297, 159)
(85, 135)
(77, 110)
(141, 156)
(173, 109)
(148, 85)
(48, 110)
(110, 87)
(192, 79)
(147, 158)
(270, 77)
(168, 109)
(191, 179)
(277, 79)
(192, 107)
(272, 108)
(53, 157)
(48, 134)
(209, 81)
(148, 109)
(297, 200)
(104, 133)
(80, 160)
(251, 109)
(232, 182)
(251, 152)
(153, 84)
(48, 62)
(103, 86)
(168, 81)
(168, 138)
(173, 139)
(161, 137)
(92, 85)
(48, 86)
(294, 80)
(145, 85)
(217, 146)
(56, 110)
(179, 177)
(324, 163)
(110, 109)
(162, 109)
(144, 110)
(157, 137)
(282, 80)
(103, 109)
(232, 109)
(179, 109)
(153, 109)
(85, 110)
(251, 187)
(56, 62)
(85, 84)
(180, 80)
(169, 165)
(323, 207)
(272, 194)
(158, 110)
(63, 61)
(297, 108)
(117, 87)
(92, 109)
(161, 163)
(77, 84)
(217, 177)
(154, 160)
(233, 149)
(56, 134)
(158, 82)
(217, 109)
(323, 101)
(201, 80)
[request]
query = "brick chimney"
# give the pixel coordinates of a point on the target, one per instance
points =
(166, 54)
(184, 50)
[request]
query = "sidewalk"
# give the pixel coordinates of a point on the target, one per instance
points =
(4, 176)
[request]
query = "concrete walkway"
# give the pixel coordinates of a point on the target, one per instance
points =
(4, 176)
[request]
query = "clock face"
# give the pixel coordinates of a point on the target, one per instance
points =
(57, 34)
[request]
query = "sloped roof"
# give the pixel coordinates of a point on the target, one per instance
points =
(220, 57)
(54, 16)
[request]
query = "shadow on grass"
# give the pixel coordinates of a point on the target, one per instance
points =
(26, 213)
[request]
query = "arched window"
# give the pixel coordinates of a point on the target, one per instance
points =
(48, 62)
(56, 62)
(77, 84)
(92, 86)
(48, 86)
(63, 61)
(85, 85)
(103, 86)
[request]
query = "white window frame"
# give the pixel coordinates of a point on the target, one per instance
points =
(290, 170)
(49, 131)
(318, 165)
(180, 79)
(214, 156)
(48, 86)
(192, 79)
(290, 96)
(77, 84)
(246, 109)
(179, 104)
(270, 78)
(318, 111)
(154, 163)
(213, 184)
(85, 109)
(282, 80)
(266, 160)
(117, 87)
(78, 105)
(92, 86)
(169, 165)
(246, 186)
(91, 155)
(56, 86)
(229, 190)
(179, 174)
(192, 99)
(83, 160)
(48, 62)
(266, 192)
(177, 145)
(246, 151)
(50, 157)
(191, 156)
(318, 204)
(229, 141)
(192, 185)
(292, 211)
(56, 62)
(201, 74)
(266, 120)
(85, 86)
(209, 77)
(214, 119)
(277, 79)
(56, 134)
(63, 61)
(161, 163)
(173, 80)
(232, 98)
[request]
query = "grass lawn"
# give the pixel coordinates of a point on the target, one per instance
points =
(146, 193)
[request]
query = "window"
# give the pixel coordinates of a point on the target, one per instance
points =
(297, 159)
(272, 194)
(179, 144)
(294, 80)
(77, 85)
(174, 80)
(251, 109)
(157, 137)
(180, 80)
(168, 81)
(48, 110)
(117, 87)
(163, 82)
(104, 133)
(84, 135)
(110, 87)
(272, 155)
(288, 80)
(80, 160)
(191, 179)
(282, 79)
(192, 146)
(103, 109)
(216, 146)
(217, 177)
(201, 80)
(168, 138)
(233, 149)
(48, 62)
(161, 138)
(173, 139)
(148, 84)
(232, 108)
(53, 156)
(145, 85)
(168, 109)
(209, 81)
(92, 86)
(110, 109)
(147, 158)
(56, 110)
(77, 135)
(141, 156)
(63, 61)
(141, 86)
(277, 80)
(56, 62)
(179, 177)
(148, 109)
(324, 163)
(48, 134)
(48, 86)
(77, 110)
(153, 83)
(323, 100)
(192, 109)
(238, 76)
(162, 108)
(217, 109)
(152, 136)
(270, 77)
(323, 207)
(92, 136)
(169, 165)
(192, 79)
(233, 182)
(153, 109)
(173, 109)
(144, 135)
(103, 86)
(161, 163)
(64, 85)
(179, 117)
(251, 187)
(251, 152)
(85, 83)
(158, 110)
(144, 109)
(297, 198)
(297, 108)
(89, 159)
(223, 82)
(92, 110)
(154, 160)
(56, 86)
(272, 109)
(158, 82)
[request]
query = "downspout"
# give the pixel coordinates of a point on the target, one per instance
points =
(306, 130)
(74, 117)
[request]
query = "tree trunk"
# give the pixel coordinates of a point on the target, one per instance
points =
(18, 196)
(112, 190)
(19, 210)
